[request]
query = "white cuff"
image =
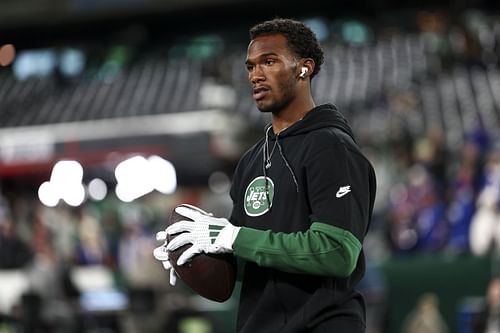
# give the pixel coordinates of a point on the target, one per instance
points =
(226, 238)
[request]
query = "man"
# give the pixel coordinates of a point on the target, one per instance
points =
(303, 198)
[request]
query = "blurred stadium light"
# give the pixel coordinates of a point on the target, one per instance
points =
(138, 176)
(65, 183)
(97, 189)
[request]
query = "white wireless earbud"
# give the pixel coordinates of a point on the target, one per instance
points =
(303, 72)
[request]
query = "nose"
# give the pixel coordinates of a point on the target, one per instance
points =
(256, 75)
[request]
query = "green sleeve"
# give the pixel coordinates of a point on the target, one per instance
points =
(322, 250)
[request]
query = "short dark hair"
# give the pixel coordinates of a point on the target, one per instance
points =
(301, 40)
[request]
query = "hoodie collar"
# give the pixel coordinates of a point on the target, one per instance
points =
(325, 115)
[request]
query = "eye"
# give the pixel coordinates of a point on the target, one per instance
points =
(269, 62)
(250, 67)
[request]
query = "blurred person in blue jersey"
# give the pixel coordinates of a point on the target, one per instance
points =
(303, 198)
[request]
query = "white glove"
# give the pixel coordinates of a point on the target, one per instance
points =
(161, 254)
(207, 234)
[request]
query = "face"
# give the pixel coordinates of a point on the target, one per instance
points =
(271, 70)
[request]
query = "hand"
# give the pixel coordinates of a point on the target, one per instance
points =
(161, 254)
(206, 233)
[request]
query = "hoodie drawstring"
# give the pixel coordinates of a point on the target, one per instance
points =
(288, 166)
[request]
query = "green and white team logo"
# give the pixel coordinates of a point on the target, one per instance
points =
(258, 196)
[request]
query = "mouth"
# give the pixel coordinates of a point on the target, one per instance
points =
(260, 92)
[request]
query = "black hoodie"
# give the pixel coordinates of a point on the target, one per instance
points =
(304, 199)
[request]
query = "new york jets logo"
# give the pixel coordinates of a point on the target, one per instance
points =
(259, 196)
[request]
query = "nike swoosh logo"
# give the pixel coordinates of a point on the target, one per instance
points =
(343, 191)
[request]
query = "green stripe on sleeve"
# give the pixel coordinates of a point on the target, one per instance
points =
(322, 250)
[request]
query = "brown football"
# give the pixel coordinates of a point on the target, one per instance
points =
(209, 275)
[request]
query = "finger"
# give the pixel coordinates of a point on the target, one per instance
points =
(180, 240)
(188, 254)
(173, 277)
(196, 209)
(161, 236)
(179, 227)
(160, 253)
(166, 264)
(190, 213)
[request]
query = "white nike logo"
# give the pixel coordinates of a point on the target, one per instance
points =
(343, 190)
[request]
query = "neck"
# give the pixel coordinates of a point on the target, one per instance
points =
(293, 113)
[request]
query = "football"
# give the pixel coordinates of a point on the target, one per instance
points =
(209, 275)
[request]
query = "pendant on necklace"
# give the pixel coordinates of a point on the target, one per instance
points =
(268, 165)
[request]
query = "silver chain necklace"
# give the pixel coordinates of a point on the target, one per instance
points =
(268, 154)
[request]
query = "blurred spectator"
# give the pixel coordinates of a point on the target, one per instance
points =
(462, 196)
(42, 238)
(373, 286)
(14, 253)
(426, 317)
(113, 232)
(485, 225)
(488, 319)
(134, 250)
(428, 208)
(417, 214)
(430, 151)
(90, 249)
(43, 272)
